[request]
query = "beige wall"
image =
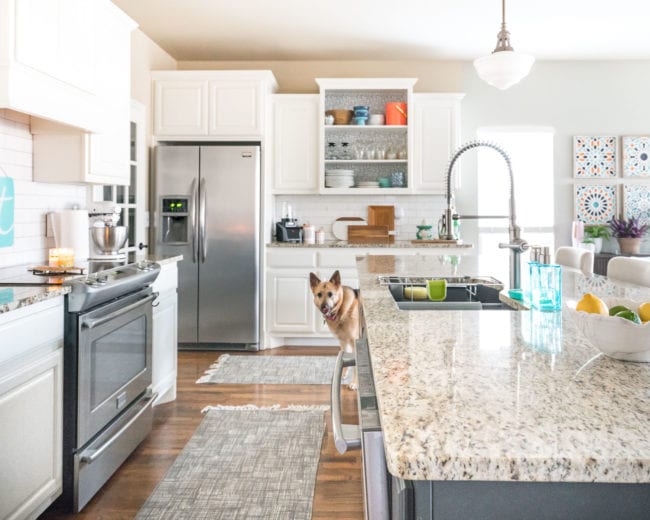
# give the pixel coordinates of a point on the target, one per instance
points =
(298, 76)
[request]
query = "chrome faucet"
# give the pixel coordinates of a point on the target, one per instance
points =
(516, 244)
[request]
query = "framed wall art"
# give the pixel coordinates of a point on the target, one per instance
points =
(595, 203)
(636, 155)
(636, 202)
(595, 157)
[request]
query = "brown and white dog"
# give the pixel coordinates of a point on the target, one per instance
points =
(339, 305)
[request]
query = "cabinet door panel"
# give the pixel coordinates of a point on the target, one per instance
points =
(165, 346)
(30, 452)
(295, 142)
(234, 108)
(435, 129)
(290, 302)
(181, 107)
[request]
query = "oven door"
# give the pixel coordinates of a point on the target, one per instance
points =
(114, 366)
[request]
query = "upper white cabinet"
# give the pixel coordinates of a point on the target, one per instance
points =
(435, 119)
(63, 154)
(295, 143)
(48, 54)
(211, 104)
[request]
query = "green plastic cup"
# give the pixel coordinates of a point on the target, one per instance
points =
(437, 290)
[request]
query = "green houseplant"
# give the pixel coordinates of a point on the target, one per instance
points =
(629, 233)
(595, 235)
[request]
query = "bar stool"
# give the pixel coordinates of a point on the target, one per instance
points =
(577, 258)
(626, 269)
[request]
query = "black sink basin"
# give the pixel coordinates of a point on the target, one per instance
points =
(463, 293)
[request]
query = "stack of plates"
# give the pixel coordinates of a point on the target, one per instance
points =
(368, 184)
(339, 178)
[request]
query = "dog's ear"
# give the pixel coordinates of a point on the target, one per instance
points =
(313, 280)
(336, 278)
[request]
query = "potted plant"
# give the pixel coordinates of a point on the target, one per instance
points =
(595, 235)
(629, 233)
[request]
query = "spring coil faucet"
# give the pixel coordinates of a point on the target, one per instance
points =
(515, 244)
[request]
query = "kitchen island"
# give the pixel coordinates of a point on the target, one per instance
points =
(505, 414)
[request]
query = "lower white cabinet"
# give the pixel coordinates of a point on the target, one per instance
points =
(165, 334)
(31, 409)
(289, 301)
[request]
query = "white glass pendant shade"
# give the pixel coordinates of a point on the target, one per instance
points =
(503, 69)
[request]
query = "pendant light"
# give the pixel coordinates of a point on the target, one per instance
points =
(504, 67)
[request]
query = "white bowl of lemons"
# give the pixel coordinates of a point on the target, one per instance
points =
(624, 334)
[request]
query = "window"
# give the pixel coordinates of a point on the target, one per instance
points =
(531, 152)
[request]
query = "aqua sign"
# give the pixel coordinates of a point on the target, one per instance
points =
(6, 211)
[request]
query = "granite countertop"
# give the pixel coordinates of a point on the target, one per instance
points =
(502, 395)
(12, 298)
(397, 244)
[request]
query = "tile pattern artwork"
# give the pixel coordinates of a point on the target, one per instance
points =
(636, 202)
(595, 203)
(594, 157)
(636, 156)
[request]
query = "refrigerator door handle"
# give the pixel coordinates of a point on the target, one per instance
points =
(202, 222)
(193, 219)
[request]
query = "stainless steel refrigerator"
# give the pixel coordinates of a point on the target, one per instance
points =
(206, 206)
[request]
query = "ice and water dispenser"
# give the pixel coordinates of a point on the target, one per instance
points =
(175, 215)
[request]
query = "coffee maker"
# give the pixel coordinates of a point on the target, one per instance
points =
(287, 229)
(107, 239)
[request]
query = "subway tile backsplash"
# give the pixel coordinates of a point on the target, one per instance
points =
(323, 210)
(33, 199)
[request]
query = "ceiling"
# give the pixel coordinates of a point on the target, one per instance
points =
(254, 30)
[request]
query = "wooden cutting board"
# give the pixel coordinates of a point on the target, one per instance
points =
(382, 216)
(368, 234)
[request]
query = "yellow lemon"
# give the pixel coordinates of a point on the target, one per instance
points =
(644, 311)
(593, 304)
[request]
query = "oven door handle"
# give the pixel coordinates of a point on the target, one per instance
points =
(89, 456)
(353, 440)
(91, 324)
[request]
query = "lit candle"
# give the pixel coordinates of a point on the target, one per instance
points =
(66, 257)
(53, 257)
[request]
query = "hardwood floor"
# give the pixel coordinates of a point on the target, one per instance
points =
(338, 492)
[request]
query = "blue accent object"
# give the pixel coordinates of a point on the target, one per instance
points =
(6, 295)
(6, 211)
(516, 294)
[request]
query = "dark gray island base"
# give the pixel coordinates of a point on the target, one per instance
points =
(474, 500)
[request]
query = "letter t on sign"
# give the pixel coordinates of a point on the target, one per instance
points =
(6, 211)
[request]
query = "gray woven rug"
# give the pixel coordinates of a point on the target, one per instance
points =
(244, 463)
(271, 370)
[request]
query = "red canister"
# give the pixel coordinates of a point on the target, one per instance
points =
(395, 113)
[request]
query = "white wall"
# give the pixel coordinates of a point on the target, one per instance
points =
(584, 97)
(32, 199)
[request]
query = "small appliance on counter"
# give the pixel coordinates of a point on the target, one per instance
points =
(287, 229)
(107, 239)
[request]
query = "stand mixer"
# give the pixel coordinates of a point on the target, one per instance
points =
(106, 238)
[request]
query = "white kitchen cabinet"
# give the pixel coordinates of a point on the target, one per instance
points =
(371, 151)
(31, 409)
(211, 104)
(290, 306)
(435, 119)
(165, 334)
(62, 154)
(49, 52)
(296, 120)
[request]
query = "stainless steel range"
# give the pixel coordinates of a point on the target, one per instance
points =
(107, 398)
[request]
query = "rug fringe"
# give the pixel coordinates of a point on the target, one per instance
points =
(291, 407)
(205, 378)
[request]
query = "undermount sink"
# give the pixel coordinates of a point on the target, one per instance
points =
(463, 293)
